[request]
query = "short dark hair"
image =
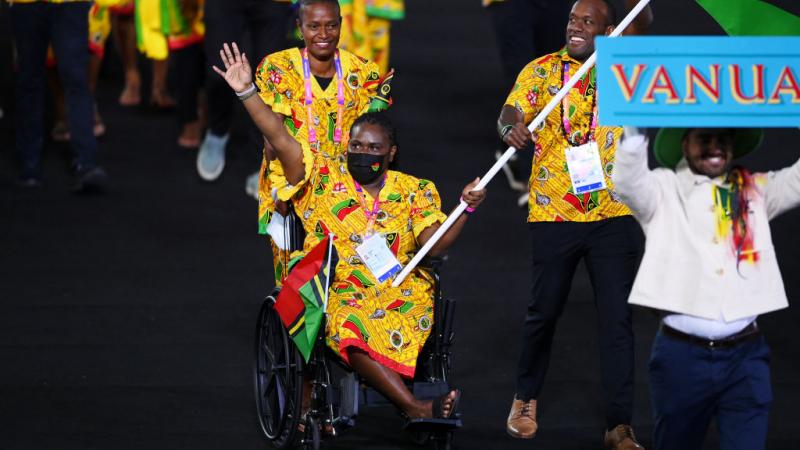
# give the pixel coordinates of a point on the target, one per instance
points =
(381, 119)
(611, 16)
(302, 4)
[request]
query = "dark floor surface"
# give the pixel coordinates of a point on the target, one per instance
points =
(126, 320)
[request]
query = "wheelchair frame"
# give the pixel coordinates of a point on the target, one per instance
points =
(279, 371)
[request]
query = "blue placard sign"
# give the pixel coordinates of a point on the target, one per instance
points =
(699, 81)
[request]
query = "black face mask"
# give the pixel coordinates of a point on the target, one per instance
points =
(365, 168)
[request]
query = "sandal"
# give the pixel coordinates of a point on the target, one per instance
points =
(438, 405)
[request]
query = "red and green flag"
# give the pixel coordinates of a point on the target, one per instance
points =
(383, 95)
(752, 18)
(304, 296)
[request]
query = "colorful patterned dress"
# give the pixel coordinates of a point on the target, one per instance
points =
(551, 195)
(366, 25)
(281, 85)
(164, 25)
(390, 324)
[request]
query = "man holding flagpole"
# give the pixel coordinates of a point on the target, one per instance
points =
(574, 214)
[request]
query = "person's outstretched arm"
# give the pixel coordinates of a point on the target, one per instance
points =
(473, 199)
(238, 75)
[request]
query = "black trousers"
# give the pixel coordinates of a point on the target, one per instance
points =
(265, 22)
(611, 249)
(190, 66)
(64, 25)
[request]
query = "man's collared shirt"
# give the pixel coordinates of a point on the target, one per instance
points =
(691, 265)
(551, 194)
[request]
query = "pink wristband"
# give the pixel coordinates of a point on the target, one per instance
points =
(468, 209)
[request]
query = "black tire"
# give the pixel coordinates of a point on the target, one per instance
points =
(277, 378)
(313, 437)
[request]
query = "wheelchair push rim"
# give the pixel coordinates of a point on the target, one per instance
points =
(277, 377)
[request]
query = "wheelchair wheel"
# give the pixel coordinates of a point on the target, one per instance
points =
(313, 435)
(278, 378)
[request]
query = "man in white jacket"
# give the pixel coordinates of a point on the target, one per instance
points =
(709, 265)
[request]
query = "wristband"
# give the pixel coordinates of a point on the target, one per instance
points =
(505, 130)
(247, 93)
(468, 210)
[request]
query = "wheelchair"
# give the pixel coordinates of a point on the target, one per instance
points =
(336, 392)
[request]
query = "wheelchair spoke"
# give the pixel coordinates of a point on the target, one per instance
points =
(268, 353)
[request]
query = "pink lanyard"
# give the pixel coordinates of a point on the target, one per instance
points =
(565, 110)
(372, 215)
(309, 100)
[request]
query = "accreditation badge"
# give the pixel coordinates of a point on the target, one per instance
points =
(375, 254)
(585, 168)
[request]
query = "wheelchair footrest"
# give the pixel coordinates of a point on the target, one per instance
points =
(432, 425)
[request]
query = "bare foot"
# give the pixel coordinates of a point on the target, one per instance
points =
(99, 127)
(191, 135)
(161, 99)
(130, 95)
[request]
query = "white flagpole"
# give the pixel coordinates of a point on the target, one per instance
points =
(511, 150)
(328, 272)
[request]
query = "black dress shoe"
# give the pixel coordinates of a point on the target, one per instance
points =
(93, 180)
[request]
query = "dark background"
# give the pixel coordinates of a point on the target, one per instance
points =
(126, 320)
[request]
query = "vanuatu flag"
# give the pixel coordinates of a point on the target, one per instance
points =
(304, 296)
(752, 18)
(383, 96)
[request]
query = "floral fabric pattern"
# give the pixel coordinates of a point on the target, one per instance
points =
(390, 324)
(552, 198)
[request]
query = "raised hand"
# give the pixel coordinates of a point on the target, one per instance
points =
(238, 73)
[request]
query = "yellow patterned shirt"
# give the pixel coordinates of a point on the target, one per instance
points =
(551, 195)
(391, 324)
(280, 82)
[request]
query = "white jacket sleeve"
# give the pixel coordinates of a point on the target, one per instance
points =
(633, 180)
(782, 191)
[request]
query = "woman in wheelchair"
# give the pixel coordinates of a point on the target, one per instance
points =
(377, 329)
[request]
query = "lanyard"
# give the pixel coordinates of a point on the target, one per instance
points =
(371, 214)
(309, 100)
(565, 111)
